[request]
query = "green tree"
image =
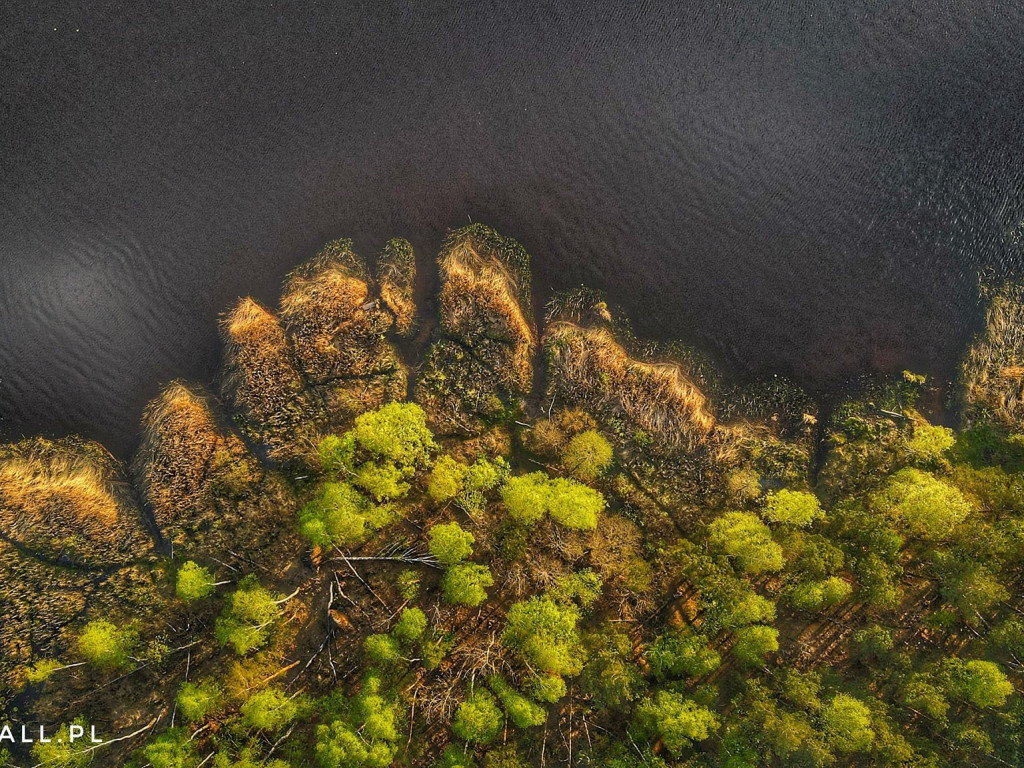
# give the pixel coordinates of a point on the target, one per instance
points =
(796, 508)
(548, 688)
(336, 515)
(105, 646)
(745, 606)
(743, 537)
(587, 455)
(269, 710)
(678, 654)
(171, 749)
(244, 623)
(817, 595)
(446, 479)
(61, 751)
(396, 432)
(382, 481)
(449, 543)
(929, 444)
(609, 675)
(482, 475)
(194, 582)
(411, 625)
(982, 683)
(847, 721)
(574, 505)
(677, 721)
(197, 700)
(755, 642)
(455, 756)
(526, 497)
(466, 584)
(520, 710)
(478, 719)
(544, 633)
(928, 507)
(382, 650)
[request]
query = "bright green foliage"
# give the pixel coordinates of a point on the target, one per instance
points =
(335, 454)
(747, 607)
(269, 710)
(526, 497)
(928, 507)
(449, 543)
(478, 719)
(397, 432)
(969, 586)
(583, 587)
(796, 508)
(482, 475)
(982, 683)
(755, 642)
(455, 756)
(247, 757)
(194, 582)
(61, 752)
(681, 654)
(609, 675)
(544, 633)
(196, 700)
(520, 710)
(921, 695)
(172, 749)
(382, 481)
(245, 621)
(408, 585)
(817, 595)
(587, 455)
(548, 688)
(872, 641)
(677, 721)
(334, 516)
(446, 479)
(366, 736)
(466, 584)
(847, 722)
(411, 625)
(745, 538)
(574, 505)
(382, 650)
(105, 646)
(42, 670)
(929, 444)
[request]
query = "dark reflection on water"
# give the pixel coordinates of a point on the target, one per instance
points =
(808, 191)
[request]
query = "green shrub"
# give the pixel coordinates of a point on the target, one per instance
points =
(681, 654)
(795, 508)
(197, 700)
(928, 507)
(743, 537)
(381, 650)
(466, 584)
(526, 497)
(411, 625)
(587, 455)
(847, 721)
(269, 710)
(544, 633)
(755, 642)
(246, 619)
(105, 646)
(677, 721)
(478, 719)
(446, 479)
(520, 710)
(449, 543)
(194, 582)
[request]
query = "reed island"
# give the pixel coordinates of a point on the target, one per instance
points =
(500, 537)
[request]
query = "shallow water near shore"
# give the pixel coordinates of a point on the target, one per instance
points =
(812, 192)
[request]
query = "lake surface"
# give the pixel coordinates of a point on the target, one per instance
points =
(807, 190)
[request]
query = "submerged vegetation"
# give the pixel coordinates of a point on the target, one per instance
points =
(624, 565)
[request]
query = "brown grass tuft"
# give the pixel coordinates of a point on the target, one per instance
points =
(66, 499)
(992, 374)
(261, 376)
(396, 276)
(179, 438)
(590, 368)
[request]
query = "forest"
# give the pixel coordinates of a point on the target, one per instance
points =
(499, 535)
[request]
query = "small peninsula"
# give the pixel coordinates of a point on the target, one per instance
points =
(535, 540)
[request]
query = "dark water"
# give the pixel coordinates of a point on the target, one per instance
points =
(807, 190)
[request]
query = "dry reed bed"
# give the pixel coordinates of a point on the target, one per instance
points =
(65, 500)
(588, 367)
(396, 277)
(992, 376)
